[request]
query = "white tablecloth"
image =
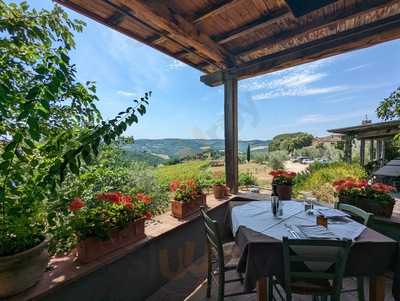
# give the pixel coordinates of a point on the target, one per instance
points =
(258, 216)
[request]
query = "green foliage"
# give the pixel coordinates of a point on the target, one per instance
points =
(277, 158)
(389, 108)
(318, 178)
(290, 142)
(246, 179)
(112, 171)
(322, 150)
(248, 153)
(49, 124)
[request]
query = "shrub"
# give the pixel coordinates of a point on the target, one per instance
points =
(277, 158)
(246, 179)
(318, 178)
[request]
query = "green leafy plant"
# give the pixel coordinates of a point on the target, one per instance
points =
(282, 177)
(246, 179)
(49, 124)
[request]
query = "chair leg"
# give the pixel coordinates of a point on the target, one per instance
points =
(209, 277)
(221, 286)
(360, 288)
(271, 289)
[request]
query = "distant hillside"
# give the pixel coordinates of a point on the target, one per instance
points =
(164, 149)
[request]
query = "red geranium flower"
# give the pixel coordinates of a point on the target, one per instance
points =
(114, 197)
(174, 185)
(380, 187)
(144, 198)
(76, 204)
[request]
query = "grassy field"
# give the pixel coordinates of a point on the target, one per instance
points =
(182, 171)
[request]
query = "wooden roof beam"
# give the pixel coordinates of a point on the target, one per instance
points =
(178, 28)
(365, 36)
(115, 19)
(248, 28)
(363, 8)
(215, 10)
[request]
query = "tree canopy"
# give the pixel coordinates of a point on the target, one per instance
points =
(290, 142)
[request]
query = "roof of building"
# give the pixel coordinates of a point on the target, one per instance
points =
(248, 37)
(370, 130)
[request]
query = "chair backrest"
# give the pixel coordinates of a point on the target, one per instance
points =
(214, 238)
(357, 212)
(330, 253)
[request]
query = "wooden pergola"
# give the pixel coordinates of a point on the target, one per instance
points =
(229, 40)
(376, 133)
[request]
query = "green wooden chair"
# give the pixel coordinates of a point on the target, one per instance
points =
(356, 212)
(216, 265)
(298, 279)
(365, 217)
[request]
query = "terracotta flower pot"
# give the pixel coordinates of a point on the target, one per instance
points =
(23, 270)
(371, 206)
(284, 192)
(92, 248)
(219, 191)
(182, 210)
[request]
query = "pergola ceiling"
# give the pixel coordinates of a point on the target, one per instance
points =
(245, 38)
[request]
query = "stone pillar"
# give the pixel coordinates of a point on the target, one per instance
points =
(362, 152)
(371, 150)
(348, 148)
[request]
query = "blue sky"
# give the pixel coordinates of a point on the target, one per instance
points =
(329, 93)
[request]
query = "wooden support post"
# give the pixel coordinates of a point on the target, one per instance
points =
(362, 152)
(371, 150)
(377, 288)
(231, 133)
(382, 152)
(262, 291)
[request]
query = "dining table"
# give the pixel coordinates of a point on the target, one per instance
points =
(258, 234)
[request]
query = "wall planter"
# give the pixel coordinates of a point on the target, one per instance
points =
(182, 210)
(92, 248)
(283, 191)
(219, 191)
(370, 205)
(23, 270)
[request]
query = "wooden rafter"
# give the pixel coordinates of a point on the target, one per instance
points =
(364, 36)
(215, 10)
(330, 21)
(161, 16)
(248, 28)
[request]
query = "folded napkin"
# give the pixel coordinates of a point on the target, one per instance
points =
(329, 212)
(316, 232)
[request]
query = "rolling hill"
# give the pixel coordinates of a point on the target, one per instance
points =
(171, 148)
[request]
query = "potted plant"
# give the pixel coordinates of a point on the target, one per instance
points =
(218, 185)
(371, 197)
(50, 129)
(188, 198)
(107, 222)
(282, 183)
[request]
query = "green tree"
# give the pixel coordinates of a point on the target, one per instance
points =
(49, 123)
(389, 108)
(248, 153)
(290, 142)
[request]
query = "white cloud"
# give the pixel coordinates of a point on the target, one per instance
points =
(175, 64)
(296, 81)
(299, 91)
(127, 93)
(356, 67)
(324, 118)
